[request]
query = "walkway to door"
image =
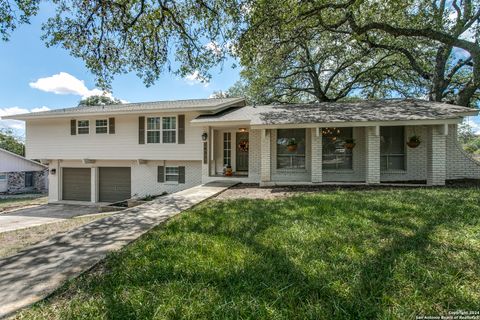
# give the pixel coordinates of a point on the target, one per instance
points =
(34, 273)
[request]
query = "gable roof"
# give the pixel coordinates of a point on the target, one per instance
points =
(337, 112)
(18, 157)
(201, 105)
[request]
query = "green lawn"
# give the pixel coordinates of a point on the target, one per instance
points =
(13, 203)
(381, 254)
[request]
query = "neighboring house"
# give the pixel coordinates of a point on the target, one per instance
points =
(110, 153)
(19, 175)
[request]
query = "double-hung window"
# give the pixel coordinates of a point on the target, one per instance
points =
(392, 148)
(291, 149)
(83, 127)
(28, 179)
(162, 129)
(153, 130)
(334, 154)
(101, 126)
(171, 174)
(169, 129)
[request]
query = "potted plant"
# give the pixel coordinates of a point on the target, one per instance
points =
(414, 141)
(292, 145)
(349, 144)
(228, 171)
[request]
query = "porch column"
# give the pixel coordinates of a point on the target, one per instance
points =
(205, 156)
(437, 155)
(372, 156)
(316, 163)
(265, 156)
(94, 184)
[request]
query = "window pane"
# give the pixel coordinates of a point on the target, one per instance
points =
(396, 162)
(383, 163)
(291, 148)
(169, 123)
(153, 136)
(153, 123)
(334, 154)
(83, 123)
(101, 123)
(101, 130)
(392, 140)
(169, 136)
(83, 130)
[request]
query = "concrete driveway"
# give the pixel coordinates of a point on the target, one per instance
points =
(30, 217)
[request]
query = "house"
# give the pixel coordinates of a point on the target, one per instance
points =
(20, 175)
(110, 153)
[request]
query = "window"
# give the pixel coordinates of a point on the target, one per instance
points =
(28, 179)
(227, 148)
(392, 148)
(169, 129)
(3, 176)
(334, 155)
(291, 148)
(83, 127)
(153, 130)
(101, 126)
(171, 174)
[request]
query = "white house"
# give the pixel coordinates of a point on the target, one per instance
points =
(110, 153)
(19, 175)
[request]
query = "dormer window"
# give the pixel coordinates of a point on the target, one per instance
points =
(83, 127)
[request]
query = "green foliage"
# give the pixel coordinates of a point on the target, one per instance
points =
(330, 255)
(241, 89)
(98, 101)
(13, 13)
(9, 142)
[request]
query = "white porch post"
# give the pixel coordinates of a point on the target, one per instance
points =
(373, 155)
(316, 137)
(265, 156)
(94, 184)
(437, 155)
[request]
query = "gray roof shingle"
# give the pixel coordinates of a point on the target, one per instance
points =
(363, 111)
(206, 105)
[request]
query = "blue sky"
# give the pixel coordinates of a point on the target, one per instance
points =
(34, 77)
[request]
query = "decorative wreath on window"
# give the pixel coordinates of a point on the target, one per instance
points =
(243, 145)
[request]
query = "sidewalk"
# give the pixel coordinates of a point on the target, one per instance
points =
(37, 271)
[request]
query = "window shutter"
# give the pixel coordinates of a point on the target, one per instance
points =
(181, 174)
(161, 174)
(73, 127)
(111, 125)
(181, 129)
(141, 130)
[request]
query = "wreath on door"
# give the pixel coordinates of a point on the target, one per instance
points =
(243, 146)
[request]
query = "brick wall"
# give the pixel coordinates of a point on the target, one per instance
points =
(460, 164)
(16, 182)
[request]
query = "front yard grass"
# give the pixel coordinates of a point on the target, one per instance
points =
(20, 202)
(372, 254)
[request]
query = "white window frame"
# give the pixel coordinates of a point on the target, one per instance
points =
(170, 130)
(227, 151)
(83, 127)
(105, 126)
(161, 129)
(175, 175)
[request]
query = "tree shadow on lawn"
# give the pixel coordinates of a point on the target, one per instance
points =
(316, 256)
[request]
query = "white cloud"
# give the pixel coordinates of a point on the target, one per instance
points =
(196, 78)
(214, 47)
(65, 83)
(17, 126)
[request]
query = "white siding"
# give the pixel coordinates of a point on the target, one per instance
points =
(51, 139)
(11, 163)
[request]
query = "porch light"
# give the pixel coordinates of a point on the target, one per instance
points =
(204, 136)
(242, 129)
(53, 171)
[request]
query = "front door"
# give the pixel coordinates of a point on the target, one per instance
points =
(242, 151)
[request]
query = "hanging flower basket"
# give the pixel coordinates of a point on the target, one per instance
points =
(292, 145)
(349, 144)
(413, 142)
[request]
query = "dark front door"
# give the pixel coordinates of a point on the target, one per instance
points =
(242, 151)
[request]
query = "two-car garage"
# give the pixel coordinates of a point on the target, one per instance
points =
(114, 184)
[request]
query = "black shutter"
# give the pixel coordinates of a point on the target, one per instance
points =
(161, 174)
(111, 125)
(73, 127)
(181, 174)
(181, 129)
(141, 130)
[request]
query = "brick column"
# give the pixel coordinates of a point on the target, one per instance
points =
(316, 137)
(265, 156)
(437, 155)
(372, 157)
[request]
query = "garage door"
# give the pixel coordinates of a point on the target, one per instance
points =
(76, 184)
(114, 184)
